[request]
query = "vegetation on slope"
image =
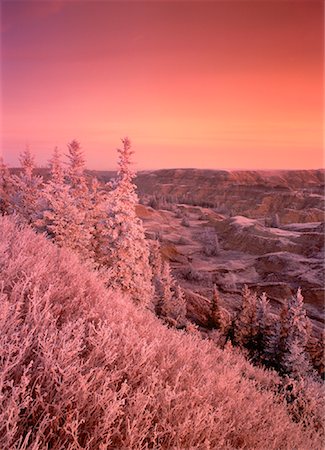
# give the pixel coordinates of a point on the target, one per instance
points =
(82, 367)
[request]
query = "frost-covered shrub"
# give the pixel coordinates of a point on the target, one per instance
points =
(191, 274)
(179, 214)
(210, 242)
(185, 222)
(82, 367)
(182, 241)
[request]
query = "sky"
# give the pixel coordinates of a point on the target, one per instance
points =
(205, 84)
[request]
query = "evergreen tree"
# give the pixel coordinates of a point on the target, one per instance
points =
(97, 218)
(160, 268)
(64, 222)
(315, 349)
(6, 189)
(295, 360)
(179, 307)
(246, 323)
(27, 198)
(155, 259)
(56, 168)
(76, 167)
(264, 332)
(63, 217)
(216, 316)
(126, 249)
(167, 286)
(171, 303)
(290, 339)
(282, 333)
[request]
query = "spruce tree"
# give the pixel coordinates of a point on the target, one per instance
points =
(295, 360)
(264, 332)
(126, 249)
(216, 317)
(170, 303)
(76, 167)
(275, 345)
(97, 218)
(6, 189)
(56, 168)
(63, 218)
(27, 198)
(246, 323)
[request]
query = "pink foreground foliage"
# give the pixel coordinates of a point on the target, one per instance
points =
(83, 368)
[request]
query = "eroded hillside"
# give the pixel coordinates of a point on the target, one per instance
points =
(272, 260)
(296, 196)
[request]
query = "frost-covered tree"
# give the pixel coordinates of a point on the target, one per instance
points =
(63, 218)
(97, 216)
(155, 259)
(65, 222)
(157, 266)
(179, 309)
(289, 340)
(246, 324)
(279, 338)
(77, 180)
(264, 330)
(6, 189)
(315, 348)
(27, 198)
(76, 167)
(170, 298)
(170, 302)
(52, 191)
(56, 168)
(126, 250)
(216, 316)
(295, 360)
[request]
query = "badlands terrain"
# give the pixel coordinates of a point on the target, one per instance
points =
(230, 228)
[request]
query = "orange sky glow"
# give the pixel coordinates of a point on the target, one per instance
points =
(206, 84)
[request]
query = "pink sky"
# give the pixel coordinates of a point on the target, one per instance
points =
(233, 84)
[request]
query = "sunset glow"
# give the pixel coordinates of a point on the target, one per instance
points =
(193, 84)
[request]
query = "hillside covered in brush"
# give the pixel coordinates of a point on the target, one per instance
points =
(83, 367)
